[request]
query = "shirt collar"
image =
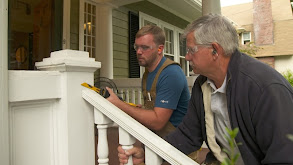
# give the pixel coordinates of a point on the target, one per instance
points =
(222, 89)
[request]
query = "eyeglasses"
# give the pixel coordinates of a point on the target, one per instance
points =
(193, 50)
(142, 47)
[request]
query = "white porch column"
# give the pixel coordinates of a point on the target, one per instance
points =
(75, 117)
(4, 148)
(211, 6)
(105, 40)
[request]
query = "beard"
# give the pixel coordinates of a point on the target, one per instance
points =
(146, 62)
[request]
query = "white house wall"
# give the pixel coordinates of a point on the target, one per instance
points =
(284, 63)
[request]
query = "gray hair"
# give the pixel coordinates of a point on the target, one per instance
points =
(214, 28)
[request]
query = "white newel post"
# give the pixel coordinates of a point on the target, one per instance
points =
(75, 117)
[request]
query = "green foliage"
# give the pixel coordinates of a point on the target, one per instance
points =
(289, 76)
(249, 48)
(231, 154)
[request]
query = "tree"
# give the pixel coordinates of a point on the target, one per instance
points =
(249, 48)
(288, 76)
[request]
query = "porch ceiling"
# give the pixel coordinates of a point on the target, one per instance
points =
(185, 9)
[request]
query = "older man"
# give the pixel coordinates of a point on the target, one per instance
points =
(232, 91)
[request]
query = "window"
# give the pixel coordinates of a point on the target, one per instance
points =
(89, 29)
(174, 49)
(246, 37)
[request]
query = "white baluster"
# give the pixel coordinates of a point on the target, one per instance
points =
(139, 96)
(127, 141)
(103, 150)
(102, 122)
(121, 93)
(133, 96)
(127, 95)
(151, 158)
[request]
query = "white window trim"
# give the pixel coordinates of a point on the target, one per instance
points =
(176, 39)
(242, 38)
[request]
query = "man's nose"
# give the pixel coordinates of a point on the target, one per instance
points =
(138, 51)
(187, 57)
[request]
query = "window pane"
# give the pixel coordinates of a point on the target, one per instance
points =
(89, 18)
(94, 20)
(246, 36)
(89, 8)
(93, 31)
(93, 41)
(89, 41)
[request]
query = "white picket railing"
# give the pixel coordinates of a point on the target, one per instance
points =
(130, 89)
(156, 148)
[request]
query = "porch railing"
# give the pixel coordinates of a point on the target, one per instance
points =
(130, 89)
(156, 149)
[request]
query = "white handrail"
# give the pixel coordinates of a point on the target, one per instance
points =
(137, 130)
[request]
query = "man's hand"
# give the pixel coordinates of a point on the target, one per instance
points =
(137, 154)
(113, 98)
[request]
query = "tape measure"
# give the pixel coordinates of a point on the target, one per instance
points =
(103, 92)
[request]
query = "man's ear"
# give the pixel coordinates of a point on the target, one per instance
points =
(216, 48)
(160, 49)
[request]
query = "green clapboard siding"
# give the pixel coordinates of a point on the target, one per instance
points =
(120, 42)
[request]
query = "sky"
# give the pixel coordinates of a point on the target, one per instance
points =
(233, 2)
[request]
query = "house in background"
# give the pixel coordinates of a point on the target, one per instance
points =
(269, 25)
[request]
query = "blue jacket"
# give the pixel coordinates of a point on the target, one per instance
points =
(260, 104)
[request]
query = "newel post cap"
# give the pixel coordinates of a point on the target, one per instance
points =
(69, 61)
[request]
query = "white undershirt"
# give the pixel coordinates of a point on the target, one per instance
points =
(221, 116)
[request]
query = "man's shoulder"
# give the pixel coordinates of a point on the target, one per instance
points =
(173, 67)
(173, 71)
